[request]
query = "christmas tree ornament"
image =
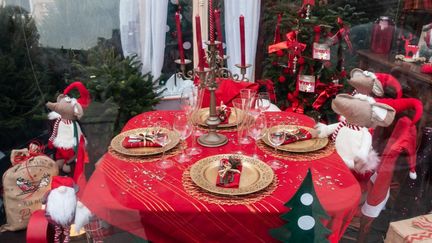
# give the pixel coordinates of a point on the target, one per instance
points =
(304, 220)
(308, 4)
(67, 137)
(351, 136)
(306, 83)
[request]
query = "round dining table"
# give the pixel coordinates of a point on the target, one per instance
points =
(165, 205)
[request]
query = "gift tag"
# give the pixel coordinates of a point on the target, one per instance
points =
(321, 51)
(306, 83)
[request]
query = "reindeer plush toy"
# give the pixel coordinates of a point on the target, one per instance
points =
(67, 137)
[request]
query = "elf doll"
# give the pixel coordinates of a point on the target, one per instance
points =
(67, 137)
(61, 202)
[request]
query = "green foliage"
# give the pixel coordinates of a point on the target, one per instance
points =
(23, 81)
(110, 77)
(304, 204)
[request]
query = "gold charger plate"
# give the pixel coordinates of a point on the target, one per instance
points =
(256, 175)
(304, 146)
(203, 113)
(116, 143)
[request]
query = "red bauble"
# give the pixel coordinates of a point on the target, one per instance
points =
(426, 68)
(301, 61)
(282, 79)
(279, 53)
(286, 70)
(275, 64)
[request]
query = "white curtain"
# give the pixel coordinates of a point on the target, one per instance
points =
(143, 29)
(250, 9)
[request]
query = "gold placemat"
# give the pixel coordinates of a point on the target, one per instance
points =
(314, 155)
(201, 194)
(148, 158)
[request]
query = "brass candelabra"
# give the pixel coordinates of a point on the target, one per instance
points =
(208, 79)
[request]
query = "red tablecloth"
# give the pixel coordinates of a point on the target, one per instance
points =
(139, 198)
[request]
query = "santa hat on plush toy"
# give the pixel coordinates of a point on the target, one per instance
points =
(366, 82)
(58, 181)
(84, 99)
(401, 105)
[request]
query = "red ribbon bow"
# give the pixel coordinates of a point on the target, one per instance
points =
(329, 91)
(268, 86)
(343, 33)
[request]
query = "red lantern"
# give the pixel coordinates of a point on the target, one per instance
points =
(382, 35)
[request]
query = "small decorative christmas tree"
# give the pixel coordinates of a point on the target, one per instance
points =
(304, 218)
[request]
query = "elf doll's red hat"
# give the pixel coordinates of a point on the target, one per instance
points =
(388, 80)
(403, 104)
(408, 131)
(84, 99)
(58, 181)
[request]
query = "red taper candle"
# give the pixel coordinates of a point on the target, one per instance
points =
(242, 41)
(199, 43)
(179, 37)
(219, 31)
(211, 21)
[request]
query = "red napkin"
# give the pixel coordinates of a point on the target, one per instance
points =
(301, 135)
(223, 113)
(139, 141)
(228, 90)
(230, 178)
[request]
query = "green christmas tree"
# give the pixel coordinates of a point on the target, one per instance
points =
(110, 77)
(322, 26)
(304, 218)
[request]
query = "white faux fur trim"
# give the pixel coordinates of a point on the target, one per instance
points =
(82, 216)
(371, 162)
(374, 211)
(53, 115)
(413, 175)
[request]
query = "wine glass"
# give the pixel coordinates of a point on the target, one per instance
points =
(162, 137)
(263, 101)
(183, 127)
(194, 118)
(276, 136)
(240, 105)
(257, 130)
(254, 110)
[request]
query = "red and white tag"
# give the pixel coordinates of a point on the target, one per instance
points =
(321, 51)
(306, 83)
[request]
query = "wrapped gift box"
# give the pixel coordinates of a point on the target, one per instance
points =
(418, 229)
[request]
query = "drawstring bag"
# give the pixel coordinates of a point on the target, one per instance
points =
(25, 184)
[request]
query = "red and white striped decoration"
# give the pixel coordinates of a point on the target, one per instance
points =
(344, 124)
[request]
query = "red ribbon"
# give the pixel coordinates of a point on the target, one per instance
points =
(317, 30)
(328, 92)
(291, 43)
(269, 87)
(343, 33)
